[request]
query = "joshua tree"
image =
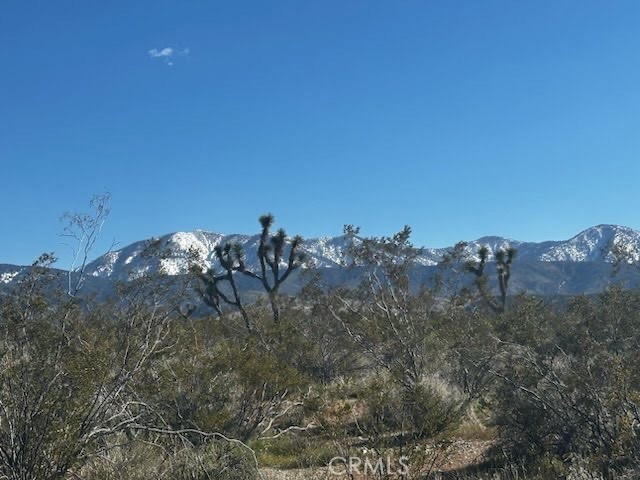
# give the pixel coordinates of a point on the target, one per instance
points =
(504, 259)
(271, 253)
(275, 266)
(230, 257)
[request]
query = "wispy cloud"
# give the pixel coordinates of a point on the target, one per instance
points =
(167, 54)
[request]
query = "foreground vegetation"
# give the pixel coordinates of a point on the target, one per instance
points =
(451, 380)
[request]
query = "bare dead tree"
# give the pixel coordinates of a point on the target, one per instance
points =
(81, 232)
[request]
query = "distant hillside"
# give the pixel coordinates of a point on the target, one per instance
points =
(582, 264)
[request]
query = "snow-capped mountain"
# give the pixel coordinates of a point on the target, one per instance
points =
(172, 253)
(596, 244)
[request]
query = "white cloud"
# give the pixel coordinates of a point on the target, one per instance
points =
(167, 54)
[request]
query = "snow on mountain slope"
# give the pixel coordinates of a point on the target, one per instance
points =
(595, 244)
(171, 254)
(9, 273)
(8, 277)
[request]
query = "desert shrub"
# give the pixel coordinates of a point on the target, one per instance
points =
(70, 375)
(217, 460)
(571, 387)
(294, 451)
(219, 380)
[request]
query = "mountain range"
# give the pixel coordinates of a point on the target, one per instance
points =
(581, 264)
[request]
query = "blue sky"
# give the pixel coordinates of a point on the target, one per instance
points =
(459, 118)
